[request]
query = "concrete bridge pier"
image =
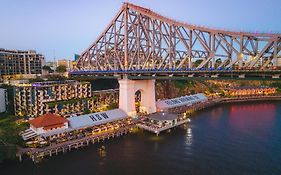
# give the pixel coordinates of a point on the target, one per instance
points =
(127, 90)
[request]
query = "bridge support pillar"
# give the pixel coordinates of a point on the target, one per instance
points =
(127, 90)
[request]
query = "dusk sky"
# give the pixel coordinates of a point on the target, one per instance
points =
(61, 28)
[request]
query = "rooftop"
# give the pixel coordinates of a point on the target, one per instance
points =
(180, 101)
(47, 120)
(163, 116)
(89, 120)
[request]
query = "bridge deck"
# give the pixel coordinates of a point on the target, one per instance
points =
(180, 74)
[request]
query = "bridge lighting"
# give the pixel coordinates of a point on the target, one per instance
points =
(241, 55)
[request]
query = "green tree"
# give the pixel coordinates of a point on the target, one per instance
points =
(198, 62)
(61, 69)
(9, 136)
(48, 68)
(112, 105)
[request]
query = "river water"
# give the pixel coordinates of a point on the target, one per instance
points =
(232, 139)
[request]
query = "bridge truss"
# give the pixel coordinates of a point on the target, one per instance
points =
(138, 39)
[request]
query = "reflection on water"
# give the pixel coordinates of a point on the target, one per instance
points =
(248, 117)
(102, 152)
(215, 115)
(188, 136)
(102, 155)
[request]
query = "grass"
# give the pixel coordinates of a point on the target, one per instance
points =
(9, 136)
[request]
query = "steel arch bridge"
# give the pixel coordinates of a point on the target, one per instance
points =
(140, 42)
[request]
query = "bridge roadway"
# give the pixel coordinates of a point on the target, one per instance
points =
(179, 74)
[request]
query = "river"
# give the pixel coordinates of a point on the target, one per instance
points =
(231, 139)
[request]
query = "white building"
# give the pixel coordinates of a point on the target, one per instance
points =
(188, 100)
(50, 124)
(45, 124)
(3, 100)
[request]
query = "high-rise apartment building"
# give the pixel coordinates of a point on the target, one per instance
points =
(13, 62)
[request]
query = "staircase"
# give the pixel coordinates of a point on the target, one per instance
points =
(28, 134)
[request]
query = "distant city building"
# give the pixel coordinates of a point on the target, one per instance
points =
(244, 91)
(73, 65)
(60, 97)
(3, 100)
(17, 62)
(76, 57)
(64, 62)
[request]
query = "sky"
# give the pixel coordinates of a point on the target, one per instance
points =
(60, 28)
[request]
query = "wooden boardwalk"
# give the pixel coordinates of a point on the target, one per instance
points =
(38, 153)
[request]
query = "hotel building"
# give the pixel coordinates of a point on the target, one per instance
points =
(65, 98)
(17, 62)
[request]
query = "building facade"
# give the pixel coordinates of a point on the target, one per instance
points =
(3, 100)
(65, 98)
(46, 123)
(17, 62)
(249, 91)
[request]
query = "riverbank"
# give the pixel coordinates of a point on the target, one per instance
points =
(189, 110)
(39, 153)
(228, 139)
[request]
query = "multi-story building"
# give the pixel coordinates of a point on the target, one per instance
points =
(3, 100)
(65, 98)
(63, 62)
(17, 62)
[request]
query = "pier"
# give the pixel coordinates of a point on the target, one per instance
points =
(162, 121)
(155, 123)
(39, 153)
(181, 112)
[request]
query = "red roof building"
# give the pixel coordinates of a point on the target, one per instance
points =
(48, 122)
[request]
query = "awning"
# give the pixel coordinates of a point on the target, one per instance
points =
(162, 116)
(180, 101)
(93, 119)
(55, 132)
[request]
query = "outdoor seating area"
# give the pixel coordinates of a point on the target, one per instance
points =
(161, 121)
(252, 90)
(74, 127)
